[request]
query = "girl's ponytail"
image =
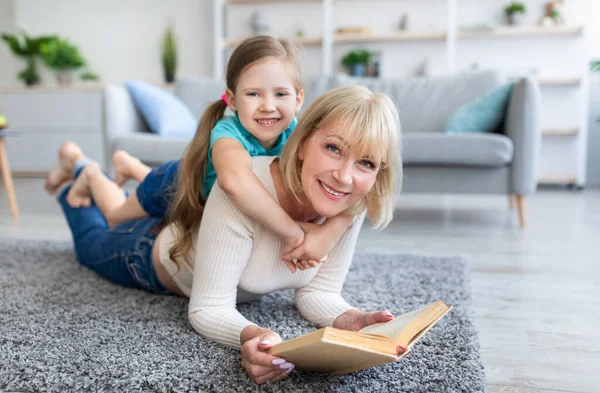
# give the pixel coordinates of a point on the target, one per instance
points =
(188, 205)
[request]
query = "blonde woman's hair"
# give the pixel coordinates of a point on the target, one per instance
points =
(370, 123)
(188, 203)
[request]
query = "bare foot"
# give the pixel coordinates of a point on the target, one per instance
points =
(61, 173)
(123, 163)
(80, 195)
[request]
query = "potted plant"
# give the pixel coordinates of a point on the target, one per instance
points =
(28, 48)
(169, 54)
(89, 76)
(514, 12)
(60, 55)
(356, 61)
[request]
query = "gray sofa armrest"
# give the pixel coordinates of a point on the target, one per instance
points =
(523, 128)
(120, 116)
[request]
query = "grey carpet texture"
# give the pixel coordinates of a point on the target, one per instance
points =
(65, 329)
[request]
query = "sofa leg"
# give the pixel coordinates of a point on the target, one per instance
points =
(511, 201)
(521, 208)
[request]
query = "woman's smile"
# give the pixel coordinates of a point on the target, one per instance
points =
(331, 192)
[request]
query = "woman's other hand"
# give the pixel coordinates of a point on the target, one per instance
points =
(259, 365)
(355, 319)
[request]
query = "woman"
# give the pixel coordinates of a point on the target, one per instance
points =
(342, 157)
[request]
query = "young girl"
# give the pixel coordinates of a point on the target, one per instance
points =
(264, 92)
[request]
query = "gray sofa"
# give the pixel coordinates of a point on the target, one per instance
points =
(434, 162)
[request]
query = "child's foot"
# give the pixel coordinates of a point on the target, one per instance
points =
(62, 171)
(123, 163)
(80, 195)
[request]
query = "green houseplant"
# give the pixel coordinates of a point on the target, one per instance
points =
(356, 61)
(89, 76)
(27, 48)
(514, 12)
(62, 56)
(169, 54)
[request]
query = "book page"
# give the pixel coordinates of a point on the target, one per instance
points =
(397, 324)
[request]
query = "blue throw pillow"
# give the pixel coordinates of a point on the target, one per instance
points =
(482, 115)
(165, 113)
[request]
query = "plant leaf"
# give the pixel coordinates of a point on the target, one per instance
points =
(12, 41)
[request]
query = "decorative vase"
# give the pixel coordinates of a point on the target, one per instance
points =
(30, 75)
(64, 77)
(259, 23)
(403, 22)
(358, 70)
(515, 18)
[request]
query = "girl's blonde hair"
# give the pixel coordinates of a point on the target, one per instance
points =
(188, 203)
(370, 123)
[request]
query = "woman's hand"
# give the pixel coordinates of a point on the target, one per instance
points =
(259, 365)
(355, 319)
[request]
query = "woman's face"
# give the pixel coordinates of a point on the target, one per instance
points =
(334, 176)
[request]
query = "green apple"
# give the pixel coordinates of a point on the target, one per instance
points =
(2, 121)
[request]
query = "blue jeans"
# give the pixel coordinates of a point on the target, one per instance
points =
(122, 254)
(157, 189)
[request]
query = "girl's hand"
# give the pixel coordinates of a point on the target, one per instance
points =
(313, 250)
(259, 365)
(355, 319)
(288, 246)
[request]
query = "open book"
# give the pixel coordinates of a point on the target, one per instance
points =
(336, 351)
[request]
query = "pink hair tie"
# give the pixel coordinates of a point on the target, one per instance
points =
(224, 98)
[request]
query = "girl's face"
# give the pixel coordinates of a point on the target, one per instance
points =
(334, 175)
(266, 100)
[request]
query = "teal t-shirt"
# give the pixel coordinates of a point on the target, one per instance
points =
(231, 127)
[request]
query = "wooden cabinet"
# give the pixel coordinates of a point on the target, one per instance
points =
(45, 117)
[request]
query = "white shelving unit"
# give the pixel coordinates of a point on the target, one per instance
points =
(564, 141)
(44, 117)
(328, 39)
(520, 32)
(394, 37)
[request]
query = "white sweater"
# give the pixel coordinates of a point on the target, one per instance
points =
(236, 257)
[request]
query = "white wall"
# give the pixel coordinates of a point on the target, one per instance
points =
(8, 63)
(121, 38)
(593, 163)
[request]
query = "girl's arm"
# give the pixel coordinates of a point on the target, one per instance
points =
(319, 240)
(233, 166)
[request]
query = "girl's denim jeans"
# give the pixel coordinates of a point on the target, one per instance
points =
(122, 254)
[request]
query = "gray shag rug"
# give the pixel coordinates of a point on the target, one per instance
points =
(63, 328)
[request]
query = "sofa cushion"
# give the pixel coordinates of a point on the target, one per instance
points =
(471, 150)
(152, 149)
(164, 113)
(484, 114)
(425, 104)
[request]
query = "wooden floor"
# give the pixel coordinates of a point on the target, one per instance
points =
(536, 291)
